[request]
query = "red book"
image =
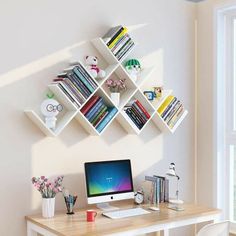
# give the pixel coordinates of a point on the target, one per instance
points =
(143, 109)
(89, 104)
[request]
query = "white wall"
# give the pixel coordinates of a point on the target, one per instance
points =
(35, 36)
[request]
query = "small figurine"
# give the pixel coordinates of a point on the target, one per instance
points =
(50, 108)
(133, 67)
(91, 65)
(150, 95)
(158, 92)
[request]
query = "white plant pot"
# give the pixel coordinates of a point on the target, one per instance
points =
(48, 207)
(115, 97)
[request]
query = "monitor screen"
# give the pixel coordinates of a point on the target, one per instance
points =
(108, 177)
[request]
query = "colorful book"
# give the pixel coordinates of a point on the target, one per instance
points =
(114, 40)
(125, 51)
(169, 107)
(139, 111)
(112, 33)
(85, 82)
(101, 111)
(174, 120)
(165, 104)
(134, 118)
(142, 119)
(89, 104)
(143, 109)
(173, 111)
(121, 44)
(94, 108)
(107, 119)
(103, 115)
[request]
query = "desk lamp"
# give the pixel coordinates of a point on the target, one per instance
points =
(175, 202)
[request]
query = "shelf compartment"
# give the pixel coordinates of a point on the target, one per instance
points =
(127, 122)
(125, 95)
(163, 126)
(62, 119)
(86, 123)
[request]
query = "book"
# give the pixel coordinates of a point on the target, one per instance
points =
(110, 33)
(166, 190)
(99, 107)
(142, 108)
(85, 82)
(176, 118)
(164, 105)
(119, 57)
(103, 115)
(107, 119)
(114, 40)
(169, 107)
(94, 108)
(89, 104)
(173, 111)
(138, 115)
(122, 44)
(114, 36)
(97, 117)
(134, 118)
(124, 47)
(140, 112)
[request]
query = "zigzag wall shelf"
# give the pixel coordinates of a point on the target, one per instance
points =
(134, 90)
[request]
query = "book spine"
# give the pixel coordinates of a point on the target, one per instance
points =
(122, 43)
(84, 72)
(124, 46)
(173, 111)
(166, 190)
(119, 42)
(180, 113)
(113, 33)
(133, 119)
(107, 119)
(85, 82)
(139, 121)
(126, 51)
(94, 108)
(98, 107)
(142, 108)
(101, 111)
(140, 112)
(142, 118)
(103, 115)
(118, 35)
(89, 104)
(174, 114)
(163, 106)
(78, 84)
(169, 107)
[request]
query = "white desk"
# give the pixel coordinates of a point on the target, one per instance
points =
(76, 225)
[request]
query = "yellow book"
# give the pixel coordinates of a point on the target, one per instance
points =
(122, 33)
(165, 104)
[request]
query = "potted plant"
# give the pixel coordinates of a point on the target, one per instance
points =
(48, 190)
(116, 87)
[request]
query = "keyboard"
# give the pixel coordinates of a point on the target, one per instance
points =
(125, 213)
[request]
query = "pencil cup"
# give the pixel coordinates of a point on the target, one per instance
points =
(70, 202)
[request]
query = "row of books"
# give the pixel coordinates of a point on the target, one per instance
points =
(118, 41)
(98, 113)
(171, 110)
(76, 83)
(137, 113)
(160, 189)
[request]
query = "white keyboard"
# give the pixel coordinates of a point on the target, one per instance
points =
(125, 213)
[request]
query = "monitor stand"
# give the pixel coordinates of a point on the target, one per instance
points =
(106, 207)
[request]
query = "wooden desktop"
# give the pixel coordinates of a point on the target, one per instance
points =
(76, 225)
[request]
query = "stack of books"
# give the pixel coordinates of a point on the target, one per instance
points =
(137, 113)
(171, 110)
(76, 83)
(118, 41)
(160, 189)
(98, 113)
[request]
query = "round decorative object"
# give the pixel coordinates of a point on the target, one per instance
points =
(139, 197)
(48, 207)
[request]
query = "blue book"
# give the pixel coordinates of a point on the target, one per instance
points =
(85, 82)
(107, 119)
(94, 108)
(97, 112)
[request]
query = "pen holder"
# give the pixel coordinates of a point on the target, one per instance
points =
(70, 202)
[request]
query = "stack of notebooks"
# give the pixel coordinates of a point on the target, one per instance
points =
(137, 113)
(97, 112)
(171, 110)
(76, 83)
(160, 189)
(118, 41)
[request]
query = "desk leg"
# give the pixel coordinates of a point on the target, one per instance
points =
(30, 231)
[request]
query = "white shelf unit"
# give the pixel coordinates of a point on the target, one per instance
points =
(114, 69)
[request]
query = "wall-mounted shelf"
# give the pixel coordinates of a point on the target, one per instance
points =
(115, 69)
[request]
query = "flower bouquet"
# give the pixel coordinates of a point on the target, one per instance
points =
(116, 87)
(48, 190)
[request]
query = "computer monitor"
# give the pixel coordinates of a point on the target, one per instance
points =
(108, 181)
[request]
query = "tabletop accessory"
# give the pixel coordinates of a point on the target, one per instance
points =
(50, 108)
(139, 197)
(92, 66)
(70, 202)
(116, 87)
(175, 204)
(91, 215)
(48, 190)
